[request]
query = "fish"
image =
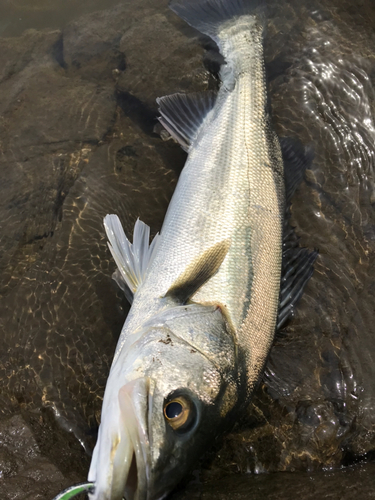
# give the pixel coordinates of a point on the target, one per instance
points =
(210, 291)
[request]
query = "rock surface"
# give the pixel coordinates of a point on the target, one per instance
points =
(25, 472)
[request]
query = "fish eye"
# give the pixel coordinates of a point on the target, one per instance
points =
(180, 413)
(173, 410)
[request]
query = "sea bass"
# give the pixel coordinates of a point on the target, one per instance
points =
(206, 293)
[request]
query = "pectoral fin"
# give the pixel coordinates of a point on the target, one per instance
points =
(198, 272)
(132, 259)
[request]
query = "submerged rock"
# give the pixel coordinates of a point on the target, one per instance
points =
(26, 473)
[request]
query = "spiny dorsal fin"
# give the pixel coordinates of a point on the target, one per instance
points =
(132, 259)
(198, 272)
(182, 115)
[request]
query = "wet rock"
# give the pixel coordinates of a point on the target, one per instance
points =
(343, 484)
(20, 15)
(25, 472)
(49, 125)
(91, 43)
(71, 152)
(106, 45)
(32, 48)
(63, 351)
(144, 66)
(77, 112)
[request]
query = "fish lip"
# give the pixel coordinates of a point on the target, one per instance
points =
(134, 398)
(121, 462)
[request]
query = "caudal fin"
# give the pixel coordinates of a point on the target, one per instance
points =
(208, 16)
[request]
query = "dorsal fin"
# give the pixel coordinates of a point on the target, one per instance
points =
(298, 263)
(198, 272)
(183, 114)
(132, 259)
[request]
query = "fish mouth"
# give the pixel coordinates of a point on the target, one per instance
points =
(122, 462)
(134, 399)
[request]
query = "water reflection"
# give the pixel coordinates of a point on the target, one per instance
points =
(76, 143)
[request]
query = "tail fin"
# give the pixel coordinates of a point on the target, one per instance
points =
(208, 15)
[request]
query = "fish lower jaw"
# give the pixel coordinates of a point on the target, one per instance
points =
(121, 481)
(122, 486)
(131, 491)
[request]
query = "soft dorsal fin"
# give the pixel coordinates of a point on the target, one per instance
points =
(132, 259)
(298, 263)
(198, 272)
(183, 114)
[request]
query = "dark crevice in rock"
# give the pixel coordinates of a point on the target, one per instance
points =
(351, 458)
(122, 63)
(40, 237)
(58, 52)
(173, 155)
(137, 111)
(277, 67)
(126, 151)
(212, 59)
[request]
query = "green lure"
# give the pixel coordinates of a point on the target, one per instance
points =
(72, 491)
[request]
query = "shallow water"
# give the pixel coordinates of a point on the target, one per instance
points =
(77, 101)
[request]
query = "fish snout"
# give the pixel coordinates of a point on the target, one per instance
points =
(121, 460)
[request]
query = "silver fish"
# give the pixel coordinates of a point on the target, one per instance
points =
(206, 291)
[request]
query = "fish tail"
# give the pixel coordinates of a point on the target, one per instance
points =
(236, 26)
(212, 16)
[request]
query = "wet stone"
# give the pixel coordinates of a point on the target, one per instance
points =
(178, 52)
(25, 472)
(344, 485)
(91, 43)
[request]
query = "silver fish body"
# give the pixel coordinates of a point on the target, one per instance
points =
(205, 302)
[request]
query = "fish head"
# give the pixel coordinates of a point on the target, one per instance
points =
(173, 392)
